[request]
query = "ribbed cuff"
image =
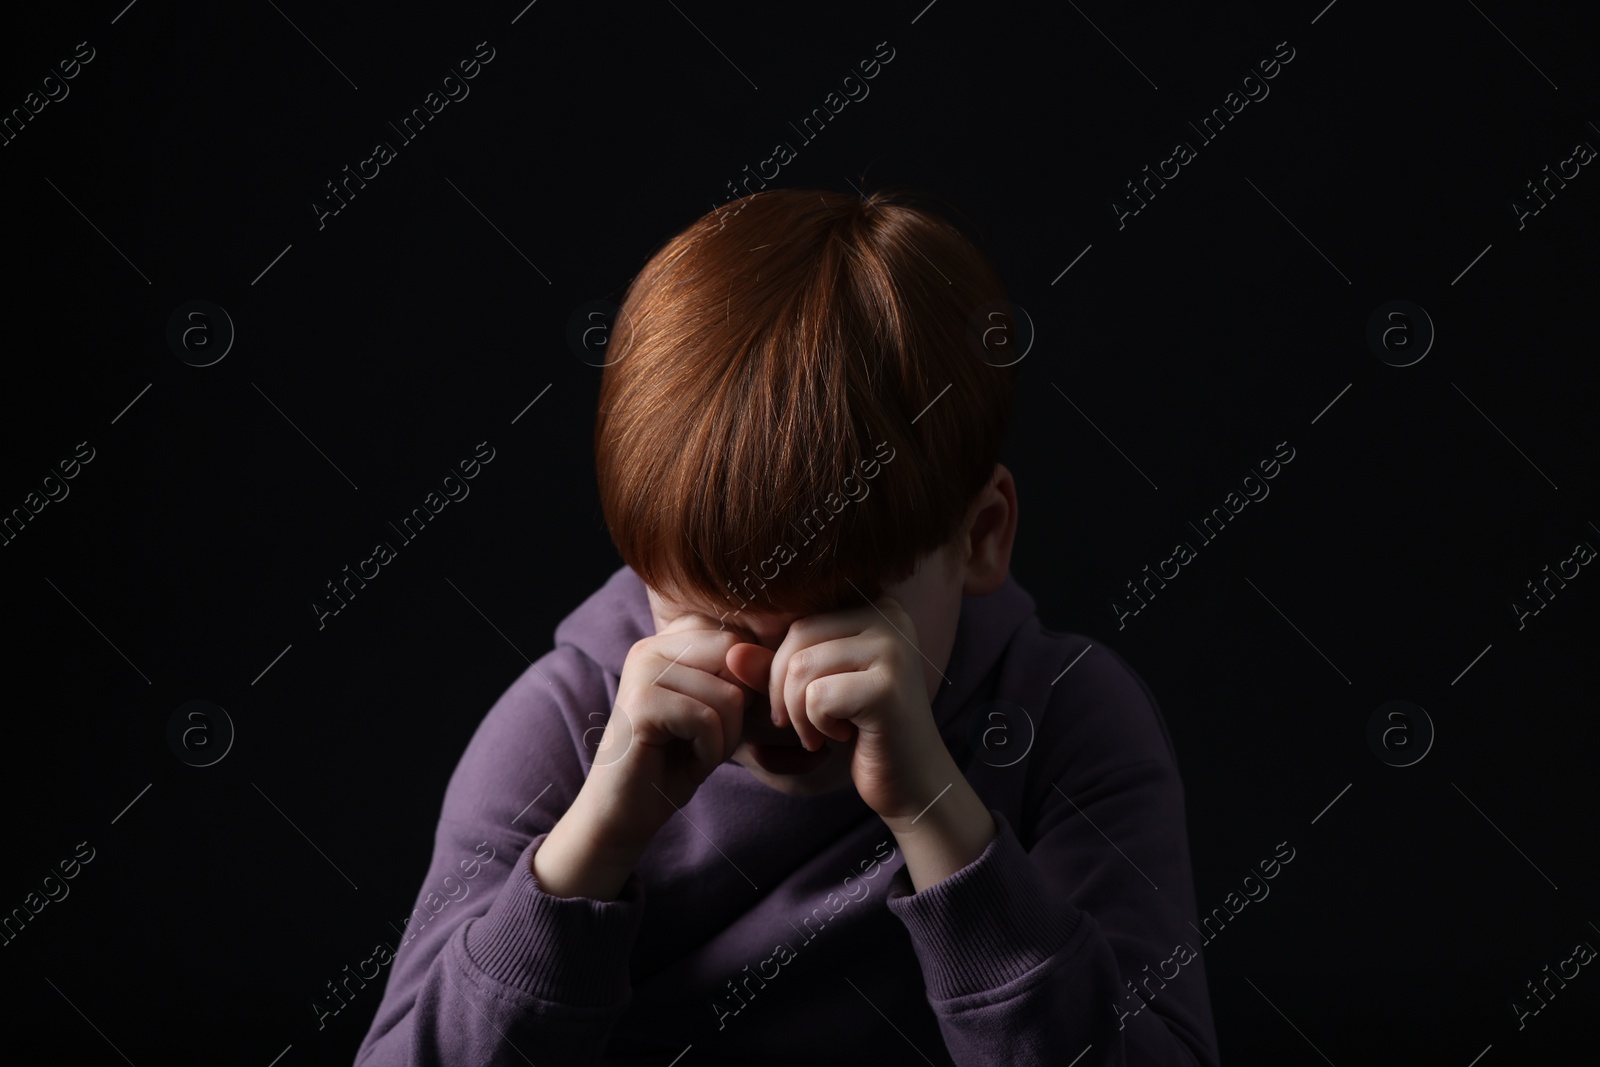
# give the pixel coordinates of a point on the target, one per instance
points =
(566, 950)
(988, 924)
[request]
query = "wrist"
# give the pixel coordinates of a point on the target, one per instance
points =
(949, 832)
(581, 857)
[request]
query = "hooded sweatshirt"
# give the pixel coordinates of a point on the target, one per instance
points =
(765, 928)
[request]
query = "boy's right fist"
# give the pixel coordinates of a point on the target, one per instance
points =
(679, 713)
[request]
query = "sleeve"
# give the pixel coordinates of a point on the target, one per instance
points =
(490, 969)
(1081, 948)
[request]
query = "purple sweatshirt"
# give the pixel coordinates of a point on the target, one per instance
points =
(763, 928)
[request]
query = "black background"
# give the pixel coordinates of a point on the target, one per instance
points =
(1224, 318)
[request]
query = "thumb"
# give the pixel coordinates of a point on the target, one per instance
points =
(751, 664)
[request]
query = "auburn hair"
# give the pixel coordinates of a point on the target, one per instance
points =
(778, 350)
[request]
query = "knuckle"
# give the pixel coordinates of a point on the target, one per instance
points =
(802, 662)
(804, 627)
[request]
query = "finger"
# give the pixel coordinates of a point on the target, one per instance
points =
(676, 717)
(720, 695)
(835, 701)
(750, 664)
(838, 656)
(700, 649)
(804, 632)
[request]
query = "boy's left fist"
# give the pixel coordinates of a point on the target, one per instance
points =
(856, 673)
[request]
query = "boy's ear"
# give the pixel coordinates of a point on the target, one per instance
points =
(991, 531)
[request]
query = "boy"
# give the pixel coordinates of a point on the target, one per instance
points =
(806, 781)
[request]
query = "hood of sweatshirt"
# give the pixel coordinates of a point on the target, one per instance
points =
(617, 614)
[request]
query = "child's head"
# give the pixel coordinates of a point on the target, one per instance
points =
(806, 414)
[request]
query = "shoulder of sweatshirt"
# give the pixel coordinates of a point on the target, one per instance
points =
(535, 742)
(1094, 715)
(531, 746)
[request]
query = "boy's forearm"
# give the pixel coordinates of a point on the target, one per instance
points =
(574, 860)
(949, 834)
